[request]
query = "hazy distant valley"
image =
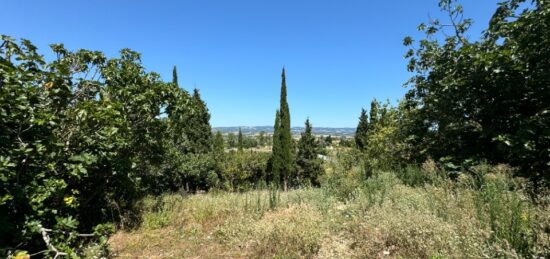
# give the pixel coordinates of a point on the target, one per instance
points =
(253, 130)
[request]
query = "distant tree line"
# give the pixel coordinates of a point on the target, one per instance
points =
(247, 141)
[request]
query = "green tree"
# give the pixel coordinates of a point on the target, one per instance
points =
(175, 76)
(179, 109)
(199, 129)
(275, 163)
(250, 142)
(362, 131)
(80, 140)
(240, 140)
(218, 143)
(262, 139)
(344, 142)
(282, 156)
(242, 171)
(232, 140)
(83, 139)
(328, 140)
(307, 160)
(384, 149)
(374, 115)
(486, 99)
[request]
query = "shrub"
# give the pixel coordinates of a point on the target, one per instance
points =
(83, 139)
(241, 171)
(506, 212)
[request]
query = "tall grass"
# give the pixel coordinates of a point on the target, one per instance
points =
(417, 212)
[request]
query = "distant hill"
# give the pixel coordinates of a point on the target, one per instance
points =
(253, 130)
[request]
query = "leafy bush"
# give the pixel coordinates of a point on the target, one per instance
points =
(80, 144)
(244, 170)
(428, 173)
(343, 184)
(486, 99)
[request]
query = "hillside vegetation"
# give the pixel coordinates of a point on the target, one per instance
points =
(101, 157)
(416, 213)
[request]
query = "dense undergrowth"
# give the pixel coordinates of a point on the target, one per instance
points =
(85, 137)
(414, 213)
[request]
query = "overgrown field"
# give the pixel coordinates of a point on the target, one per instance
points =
(413, 213)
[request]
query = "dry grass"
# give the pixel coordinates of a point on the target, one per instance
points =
(383, 218)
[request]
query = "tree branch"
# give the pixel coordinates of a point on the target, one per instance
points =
(46, 239)
(44, 231)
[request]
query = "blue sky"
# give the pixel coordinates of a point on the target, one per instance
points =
(338, 54)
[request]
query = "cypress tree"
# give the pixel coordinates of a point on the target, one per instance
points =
(282, 162)
(175, 76)
(179, 113)
(199, 129)
(308, 162)
(361, 133)
(240, 140)
(374, 118)
(285, 137)
(275, 153)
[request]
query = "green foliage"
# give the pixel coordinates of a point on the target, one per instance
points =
(262, 140)
(345, 174)
(374, 114)
(83, 137)
(218, 145)
(198, 125)
(385, 144)
(283, 161)
(242, 171)
(240, 140)
(274, 197)
(250, 141)
(361, 133)
(382, 216)
(175, 77)
(275, 160)
(308, 161)
(415, 176)
(232, 140)
(328, 140)
(487, 99)
(501, 206)
(345, 142)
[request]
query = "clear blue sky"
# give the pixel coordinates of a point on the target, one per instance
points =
(338, 54)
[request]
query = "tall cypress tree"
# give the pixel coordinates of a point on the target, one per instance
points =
(361, 133)
(240, 140)
(285, 137)
(175, 76)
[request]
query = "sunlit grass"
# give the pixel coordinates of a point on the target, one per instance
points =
(380, 217)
